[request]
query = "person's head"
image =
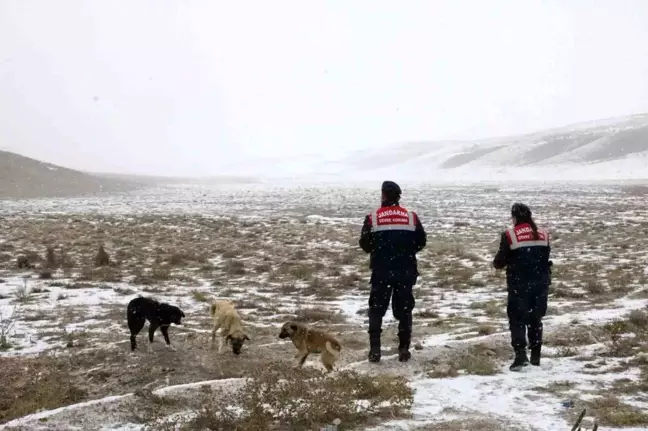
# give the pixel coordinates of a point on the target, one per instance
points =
(391, 192)
(521, 213)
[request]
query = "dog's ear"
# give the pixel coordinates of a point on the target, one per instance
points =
(246, 337)
(293, 326)
(228, 338)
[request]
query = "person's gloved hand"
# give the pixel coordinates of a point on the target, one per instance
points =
(550, 272)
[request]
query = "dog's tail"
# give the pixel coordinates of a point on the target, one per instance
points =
(333, 347)
(212, 309)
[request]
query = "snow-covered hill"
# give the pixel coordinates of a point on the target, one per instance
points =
(598, 150)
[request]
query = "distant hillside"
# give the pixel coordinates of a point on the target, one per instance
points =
(608, 149)
(152, 179)
(25, 178)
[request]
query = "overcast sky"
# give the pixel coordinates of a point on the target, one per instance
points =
(194, 87)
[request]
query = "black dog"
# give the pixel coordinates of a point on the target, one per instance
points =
(159, 314)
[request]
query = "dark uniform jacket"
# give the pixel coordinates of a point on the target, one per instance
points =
(393, 235)
(526, 259)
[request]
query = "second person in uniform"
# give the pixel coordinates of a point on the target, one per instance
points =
(524, 251)
(392, 235)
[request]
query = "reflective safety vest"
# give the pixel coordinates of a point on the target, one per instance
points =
(522, 236)
(392, 218)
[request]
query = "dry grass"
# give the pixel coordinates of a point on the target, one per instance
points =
(349, 280)
(200, 296)
(154, 275)
(23, 293)
(620, 281)
(263, 268)
(481, 424)
(594, 287)
(566, 352)
(561, 291)
(7, 323)
(315, 315)
(574, 337)
(302, 271)
(443, 371)
(612, 412)
(639, 320)
(426, 314)
(491, 308)
(104, 274)
(626, 337)
(635, 190)
(159, 253)
(124, 291)
(234, 267)
(281, 397)
(480, 365)
(481, 360)
(31, 384)
(486, 330)
(557, 388)
(453, 274)
(185, 258)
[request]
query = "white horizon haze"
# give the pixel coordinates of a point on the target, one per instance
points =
(215, 87)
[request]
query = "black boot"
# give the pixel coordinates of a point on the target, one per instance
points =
(374, 349)
(404, 354)
(520, 360)
(375, 329)
(535, 355)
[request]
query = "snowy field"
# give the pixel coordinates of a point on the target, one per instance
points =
(292, 253)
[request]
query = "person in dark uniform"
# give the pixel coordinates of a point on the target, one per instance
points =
(524, 251)
(392, 235)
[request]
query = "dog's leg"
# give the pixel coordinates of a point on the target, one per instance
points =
(221, 343)
(165, 333)
(303, 358)
(213, 335)
(301, 348)
(328, 360)
(302, 352)
(152, 328)
(135, 325)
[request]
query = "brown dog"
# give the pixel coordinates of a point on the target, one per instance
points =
(308, 340)
(228, 320)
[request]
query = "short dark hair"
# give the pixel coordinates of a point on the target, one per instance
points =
(391, 190)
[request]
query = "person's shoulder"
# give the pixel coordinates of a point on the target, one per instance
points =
(368, 218)
(414, 213)
(404, 208)
(372, 212)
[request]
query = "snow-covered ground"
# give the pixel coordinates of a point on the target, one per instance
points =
(285, 252)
